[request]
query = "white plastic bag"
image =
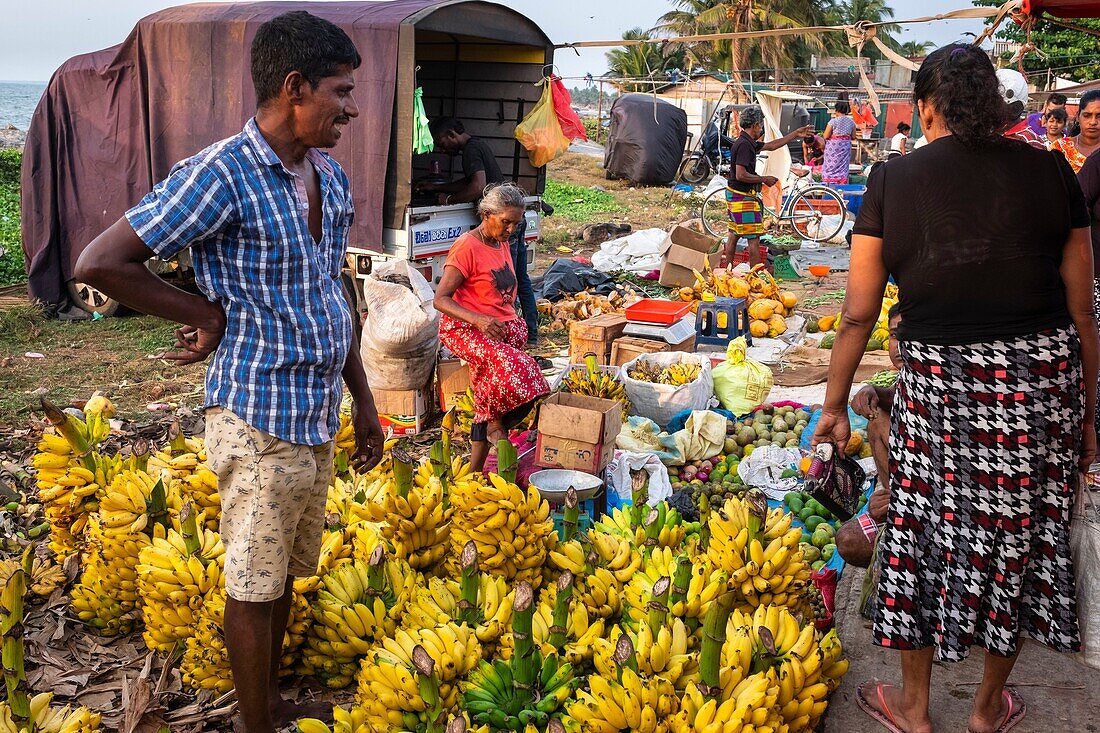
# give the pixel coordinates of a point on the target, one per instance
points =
(618, 473)
(764, 470)
(661, 402)
(1085, 543)
(400, 318)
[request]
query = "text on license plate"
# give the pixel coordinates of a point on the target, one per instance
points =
(442, 234)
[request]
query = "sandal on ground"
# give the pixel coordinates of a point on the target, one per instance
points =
(882, 715)
(1015, 710)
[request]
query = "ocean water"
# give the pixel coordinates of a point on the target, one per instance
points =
(17, 102)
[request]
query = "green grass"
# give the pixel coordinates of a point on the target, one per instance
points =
(578, 203)
(11, 261)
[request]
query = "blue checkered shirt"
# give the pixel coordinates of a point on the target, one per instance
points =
(288, 329)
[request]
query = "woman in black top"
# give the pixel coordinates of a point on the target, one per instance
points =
(988, 240)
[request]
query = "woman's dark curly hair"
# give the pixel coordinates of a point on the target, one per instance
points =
(959, 79)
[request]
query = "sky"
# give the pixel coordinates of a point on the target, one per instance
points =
(38, 35)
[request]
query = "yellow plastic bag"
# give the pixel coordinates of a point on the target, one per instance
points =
(739, 382)
(540, 132)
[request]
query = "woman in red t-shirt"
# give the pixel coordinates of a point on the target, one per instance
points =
(478, 322)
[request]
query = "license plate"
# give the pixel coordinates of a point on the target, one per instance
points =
(443, 234)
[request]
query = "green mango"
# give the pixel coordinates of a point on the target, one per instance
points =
(821, 538)
(817, 565)
(827, 552)
(813, 521)
(810, 553)
(805, 513)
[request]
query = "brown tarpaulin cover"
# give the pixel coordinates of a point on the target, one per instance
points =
(112, 123)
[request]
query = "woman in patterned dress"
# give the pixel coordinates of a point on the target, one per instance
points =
(478, 322)
(1079, 147)
(838, 144)
(994, 415)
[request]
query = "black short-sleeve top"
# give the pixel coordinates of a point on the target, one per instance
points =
(743, 153)
(973, 236)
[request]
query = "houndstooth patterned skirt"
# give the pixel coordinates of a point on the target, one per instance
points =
(983, 464)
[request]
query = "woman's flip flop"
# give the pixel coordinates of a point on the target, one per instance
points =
(1015, 710)
(884, 717)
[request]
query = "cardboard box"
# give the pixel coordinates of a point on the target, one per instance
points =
(595, 335)
(452, 380)
(626, 348)
(402, 410)
(577, 433)
(684, 250)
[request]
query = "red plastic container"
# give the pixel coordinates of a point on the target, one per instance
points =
(743, 256)
(652, 310)
(826, 581)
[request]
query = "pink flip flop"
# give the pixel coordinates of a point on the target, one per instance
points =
(884, 717)
(1015, 710)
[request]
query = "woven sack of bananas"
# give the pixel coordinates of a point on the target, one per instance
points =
(662, 384)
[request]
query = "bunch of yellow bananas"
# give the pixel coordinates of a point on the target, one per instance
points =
(126, 505)
(689, 602)
(50, 719)
(759, 550)
(201, 489)
(464, 408)
(336, 549)
(297, 628)
(674, 374)
(176, 574)
(391, 697)
(179, 459)
(664, 653)
(413, 518)
(438, 602)
(583, 629)
(67, 488)
(345, 720)
(106, 595)
(358, 604)
(632, 705)
(460, 470)
(748, 706)
(205, 663)
(344, 441)
(45, 577)
(589, 381)
(512, 529)
(453, 647)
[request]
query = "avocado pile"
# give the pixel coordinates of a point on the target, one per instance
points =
(769, 425)
(819, 527)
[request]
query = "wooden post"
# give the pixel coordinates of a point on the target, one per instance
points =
(599, 112)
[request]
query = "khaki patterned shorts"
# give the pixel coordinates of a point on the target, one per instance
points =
(273, 505)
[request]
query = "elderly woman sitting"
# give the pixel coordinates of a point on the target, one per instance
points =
(478, 322)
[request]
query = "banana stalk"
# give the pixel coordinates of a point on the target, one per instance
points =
(592, 364)
(658, 605)
(376, 572)
(177, 441)
(572, 514)
(507, 461)
(11, 627)
(525, 669)
(140, 453)
(457, 725)
(440, 459)
(639, 493)
(471, 575)
(71, 431)
(758, 514)
(681, 580)
(652, 531)
(189, 526)
(402, 472)
(560, 619)
(624, 656)
(429, 688)
(714, 638)
(158, 511)
(704, 521)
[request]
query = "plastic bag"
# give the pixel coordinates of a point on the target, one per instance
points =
(571, 125)
(739, 382)
(703, 436)
(401, 316)
(764, 469)
(618, 477)
(661, 402)
(540, 132)
(1085, 544)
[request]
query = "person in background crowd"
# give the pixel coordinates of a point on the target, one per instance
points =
(1014, 92)
(480, 170)
(266, 216)
(995, 415)
(742, 194)
(899, 143)
(1037, 120)
(478, 321)
(838, 144)
(1089, 177)
(855, 540)
(813, 151)
(1056, 121)
(1079, 147)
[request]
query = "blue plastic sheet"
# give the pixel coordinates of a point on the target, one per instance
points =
(858, 422)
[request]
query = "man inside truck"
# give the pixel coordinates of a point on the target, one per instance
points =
(266, 216)
(480, 170)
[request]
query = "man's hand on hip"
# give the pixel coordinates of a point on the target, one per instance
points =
(195, 343)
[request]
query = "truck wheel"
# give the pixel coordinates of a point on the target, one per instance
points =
(92, 300)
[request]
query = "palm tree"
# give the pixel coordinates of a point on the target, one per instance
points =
(697, 17)
(640, 61)
(915, 49)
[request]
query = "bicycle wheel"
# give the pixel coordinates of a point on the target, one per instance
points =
(715, 215)
(694, 169)
(817, 213)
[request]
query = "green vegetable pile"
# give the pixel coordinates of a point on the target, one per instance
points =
(819, 527)
(578, 203)
(11, 261)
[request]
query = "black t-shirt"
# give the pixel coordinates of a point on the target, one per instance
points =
(743, 153)
(477, 156)
(1089, 177)
(974, 238)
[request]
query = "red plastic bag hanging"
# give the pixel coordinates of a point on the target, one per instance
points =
(571, 125)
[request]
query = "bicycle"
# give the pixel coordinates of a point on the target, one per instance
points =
(815, 211)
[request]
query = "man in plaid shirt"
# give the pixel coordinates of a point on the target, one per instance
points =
(266, 216)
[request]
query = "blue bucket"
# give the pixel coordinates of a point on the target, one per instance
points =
(852, 195)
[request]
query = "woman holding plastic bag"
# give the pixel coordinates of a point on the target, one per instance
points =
(476, 298)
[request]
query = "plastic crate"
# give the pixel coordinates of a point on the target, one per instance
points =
(652, 310)
(742, 255)
(584, 520)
